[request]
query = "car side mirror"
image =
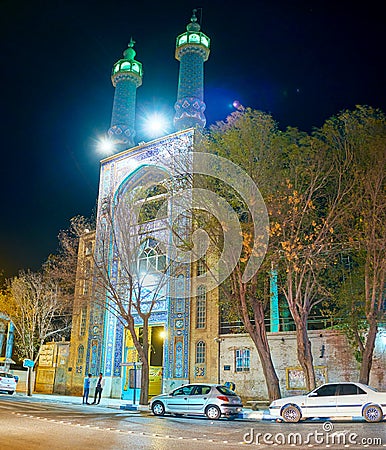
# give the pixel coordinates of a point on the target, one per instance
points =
(313, 394)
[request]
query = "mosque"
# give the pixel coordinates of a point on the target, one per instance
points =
(188, 342)
(180, 322)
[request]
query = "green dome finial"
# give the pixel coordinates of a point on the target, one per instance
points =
(130, 53)
(194, 18)
(128, 65)
(193, 25)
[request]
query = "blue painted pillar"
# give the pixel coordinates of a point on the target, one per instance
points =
(2, 334)
(9, 346)
(274, 305)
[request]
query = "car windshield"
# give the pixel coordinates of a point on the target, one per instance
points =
(6, 375)
(224, 390)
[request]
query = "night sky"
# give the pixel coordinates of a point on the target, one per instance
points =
(301, 61)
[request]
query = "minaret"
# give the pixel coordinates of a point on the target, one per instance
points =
(126, 77)
(192, 50)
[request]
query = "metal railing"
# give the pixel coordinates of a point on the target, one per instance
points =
(285, 324)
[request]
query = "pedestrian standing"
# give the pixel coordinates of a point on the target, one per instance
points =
(86, 389)
(98, 389)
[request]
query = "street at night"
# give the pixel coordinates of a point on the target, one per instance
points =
(28, 423)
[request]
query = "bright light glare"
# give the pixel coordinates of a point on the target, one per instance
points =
(105, 146)
(156, 125)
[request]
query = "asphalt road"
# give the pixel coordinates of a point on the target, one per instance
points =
(27, 423)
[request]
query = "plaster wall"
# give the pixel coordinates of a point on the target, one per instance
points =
(331, 352)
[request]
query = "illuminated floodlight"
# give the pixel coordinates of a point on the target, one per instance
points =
(105, 146)
(156, 125)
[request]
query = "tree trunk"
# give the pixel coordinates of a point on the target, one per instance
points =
(144, 357)
(367, 355)
(259, 337)
(143, 353)
(144, 397)
(304, 353)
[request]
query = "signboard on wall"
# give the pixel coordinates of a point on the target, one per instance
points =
(296, 381)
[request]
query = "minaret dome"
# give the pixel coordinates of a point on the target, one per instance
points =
(126, 77)
(192, 50)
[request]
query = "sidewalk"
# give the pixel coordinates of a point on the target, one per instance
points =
(114, 403)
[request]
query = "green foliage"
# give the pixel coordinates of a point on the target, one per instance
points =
(349, 304)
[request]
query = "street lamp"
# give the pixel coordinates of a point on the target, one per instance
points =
(155, 125)
(105, 146)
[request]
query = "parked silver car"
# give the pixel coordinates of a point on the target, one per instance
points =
(7, 382)
(211, 400)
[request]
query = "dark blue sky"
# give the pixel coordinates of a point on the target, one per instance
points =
(302, 61)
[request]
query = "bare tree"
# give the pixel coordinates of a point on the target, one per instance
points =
(33, 303)
(130, 268)
(61, 266)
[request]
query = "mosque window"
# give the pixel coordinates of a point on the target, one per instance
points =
(201, 307)
(83, 321)
(194, 38)
(200, 352)
(242, 360)
(201, 266)
(125, 66)
(151, 257)
(88, 248)
(80, 355)
(87, 278)
(204, 41)
(182, 40)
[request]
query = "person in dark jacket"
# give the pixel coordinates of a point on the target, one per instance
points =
(98, 389)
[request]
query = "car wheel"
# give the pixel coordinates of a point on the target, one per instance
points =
(372, 413)
(158, 408)
(11, 392)
(291, 414)
(213, 412)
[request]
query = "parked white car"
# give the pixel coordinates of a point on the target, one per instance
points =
(332, 400)
(7, 382)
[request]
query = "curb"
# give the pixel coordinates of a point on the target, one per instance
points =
(121, 405)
